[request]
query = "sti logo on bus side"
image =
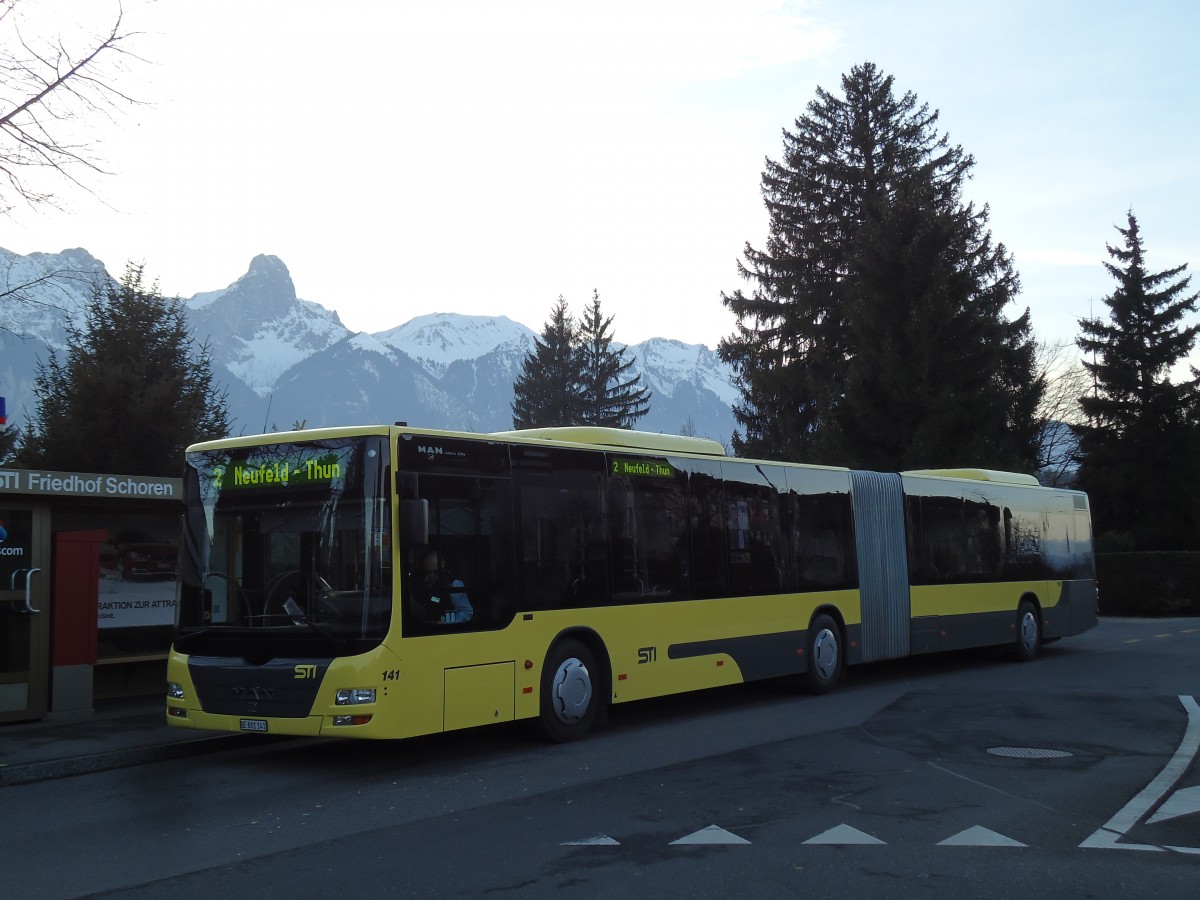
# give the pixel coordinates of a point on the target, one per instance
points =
(647, 655)
(306, 671)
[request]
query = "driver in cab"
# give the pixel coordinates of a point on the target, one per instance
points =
(439, 597)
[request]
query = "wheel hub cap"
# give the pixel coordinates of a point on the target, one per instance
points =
(572, 691)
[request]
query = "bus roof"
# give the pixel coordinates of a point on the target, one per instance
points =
(979, 475)
(619, 437)
(288, 437)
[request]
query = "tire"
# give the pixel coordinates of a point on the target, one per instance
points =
(570, 700)
(826, 659)
(1029, 631)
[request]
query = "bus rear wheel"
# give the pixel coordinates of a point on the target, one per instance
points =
(569, 703)
(826, 662)
(1029, 631)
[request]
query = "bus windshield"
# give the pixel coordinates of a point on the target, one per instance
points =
(286, 550)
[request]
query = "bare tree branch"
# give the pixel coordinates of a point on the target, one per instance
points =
(46, 86)
(1066, 381)
(39, 288)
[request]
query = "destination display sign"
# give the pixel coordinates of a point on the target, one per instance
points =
(280, 472)
(281, 467)
(643, 468)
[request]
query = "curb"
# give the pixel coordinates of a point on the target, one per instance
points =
(28, 773)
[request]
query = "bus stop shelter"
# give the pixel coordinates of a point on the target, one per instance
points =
(87, 587)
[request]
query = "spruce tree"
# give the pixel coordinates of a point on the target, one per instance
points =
(1137, 446)
(610, 396)
(875, 334)
(548, 391)
(10, 437)
(939, 376)
(133, 391)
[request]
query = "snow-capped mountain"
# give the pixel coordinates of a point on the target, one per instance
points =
(40, 294)
(440, 339)
(287, 361)
(259, 329)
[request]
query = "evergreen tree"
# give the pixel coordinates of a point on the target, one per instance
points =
(1137, 446)
(10, 437)
(938, 376)
(549, 389)
(610, 396)
(131, 394)
(875, 334)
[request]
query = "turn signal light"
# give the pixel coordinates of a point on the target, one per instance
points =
(351, 720)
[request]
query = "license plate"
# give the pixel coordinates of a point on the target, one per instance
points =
(254, 725)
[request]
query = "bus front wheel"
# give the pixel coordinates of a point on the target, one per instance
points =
(569, 700)
(826, 661)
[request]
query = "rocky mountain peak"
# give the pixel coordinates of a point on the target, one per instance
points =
(264, 294)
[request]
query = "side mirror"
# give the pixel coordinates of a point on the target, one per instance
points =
(414, 522)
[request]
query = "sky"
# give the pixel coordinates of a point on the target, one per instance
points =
(483, 158)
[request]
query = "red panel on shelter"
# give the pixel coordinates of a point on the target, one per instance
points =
(74, 634)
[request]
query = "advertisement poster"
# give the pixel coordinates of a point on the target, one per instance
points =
(137, 583)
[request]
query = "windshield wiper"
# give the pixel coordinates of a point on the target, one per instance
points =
(298, 617)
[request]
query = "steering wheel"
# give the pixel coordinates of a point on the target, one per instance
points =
(314, 585)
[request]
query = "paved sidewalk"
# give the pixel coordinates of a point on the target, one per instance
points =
(126, 732)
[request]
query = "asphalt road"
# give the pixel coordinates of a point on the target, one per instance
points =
(962, 775)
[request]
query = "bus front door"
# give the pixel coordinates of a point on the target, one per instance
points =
(24, 611)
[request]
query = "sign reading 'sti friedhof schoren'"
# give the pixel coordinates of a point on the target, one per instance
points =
(137, 577)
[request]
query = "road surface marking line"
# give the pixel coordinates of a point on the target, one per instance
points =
(710, 835)
(978, 836)
(843, 834)
(1183, 802)
(1119, 825)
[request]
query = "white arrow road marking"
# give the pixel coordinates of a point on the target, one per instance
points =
(600, 840)
(1108, 836)
(978, 836)
(710, 835)
(1181, 803)
(843, 834)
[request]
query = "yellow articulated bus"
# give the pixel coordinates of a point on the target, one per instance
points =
(385, 582)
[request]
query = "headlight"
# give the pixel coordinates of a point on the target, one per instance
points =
(175, 690)
(354, 696)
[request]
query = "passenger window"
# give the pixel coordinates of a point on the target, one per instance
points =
(649, 527)
(564, 557)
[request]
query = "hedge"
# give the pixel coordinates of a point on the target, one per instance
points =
(1148, 584)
